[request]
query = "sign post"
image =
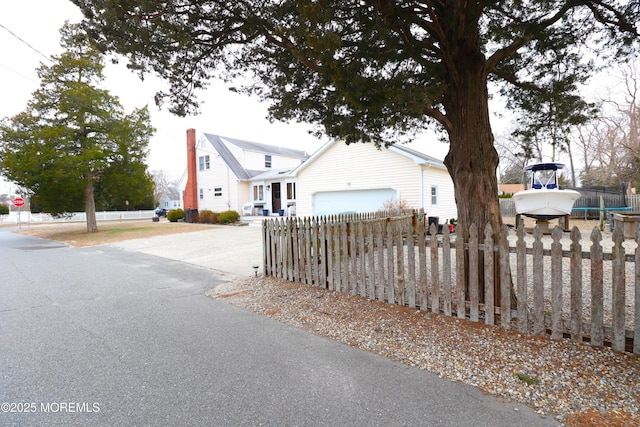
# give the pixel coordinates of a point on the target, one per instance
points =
(19, 202)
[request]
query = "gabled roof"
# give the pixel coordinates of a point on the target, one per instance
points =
(174, 193)
(219, 143)
(229, 159)
(416, 156)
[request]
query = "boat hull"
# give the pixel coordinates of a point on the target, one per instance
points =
(544, 204)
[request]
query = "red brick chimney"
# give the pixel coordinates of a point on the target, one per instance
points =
(190, 198)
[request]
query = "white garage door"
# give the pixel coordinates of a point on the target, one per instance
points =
(334, 202)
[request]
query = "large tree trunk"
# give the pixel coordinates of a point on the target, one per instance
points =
(472, 160)
(90, 206)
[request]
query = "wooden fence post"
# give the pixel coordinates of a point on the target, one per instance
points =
(353, 262)
(474, 280)
(435, 281)
(295, 228)
(371, 264)
(411, 263)
(330, 250)
(618, 289)
(362, 257)
(265, 249)
(576, 285)
(344, 257)
(446, 270)
(556, 284)
(400, 280)
(461, 306)
(522, 296)
(597, 294)
(538, 283)
(322, 228)
(308, 252)
(489, 303)
(380, 279)
(505, 280)
(390, 283)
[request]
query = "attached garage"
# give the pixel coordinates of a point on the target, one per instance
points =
(334, 202)
(341, 178)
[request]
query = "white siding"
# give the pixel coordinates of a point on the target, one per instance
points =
(446, 207)
(356, 167)
(218, 176)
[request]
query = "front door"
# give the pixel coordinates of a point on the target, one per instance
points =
(276, 202)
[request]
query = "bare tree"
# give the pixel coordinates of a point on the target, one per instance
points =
(512, 160)
(610, 144)
(163, 180)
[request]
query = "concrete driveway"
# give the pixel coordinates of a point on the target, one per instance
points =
(230, 250)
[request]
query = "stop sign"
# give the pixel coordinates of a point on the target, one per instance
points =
(18, 201)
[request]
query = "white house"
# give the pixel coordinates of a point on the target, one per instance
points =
(341, 178)
(230, 174)
(170, 199)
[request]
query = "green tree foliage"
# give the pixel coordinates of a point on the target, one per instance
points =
(370, 71)
(74, 146)
(4, 209)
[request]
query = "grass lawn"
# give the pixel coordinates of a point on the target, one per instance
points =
(108, 232)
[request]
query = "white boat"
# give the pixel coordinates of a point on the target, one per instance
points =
(544, 200)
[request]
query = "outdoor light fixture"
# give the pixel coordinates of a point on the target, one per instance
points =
(268, 187)
(255, 269)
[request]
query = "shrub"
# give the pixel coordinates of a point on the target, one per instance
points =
(175, 214)
(228, 217)
(208, 217)
(204, 216)
(396, 207)
(4, 209)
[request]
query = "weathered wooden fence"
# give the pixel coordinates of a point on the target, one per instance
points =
(588, 295)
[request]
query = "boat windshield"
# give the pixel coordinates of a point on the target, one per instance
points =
(544, 179)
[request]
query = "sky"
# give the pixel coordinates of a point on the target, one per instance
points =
(37, 22)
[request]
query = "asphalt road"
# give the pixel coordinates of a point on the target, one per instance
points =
(108, 336)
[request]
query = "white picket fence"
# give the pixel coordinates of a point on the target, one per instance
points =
(26, 217)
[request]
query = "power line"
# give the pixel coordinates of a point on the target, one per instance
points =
(31, 47)
(18, 73)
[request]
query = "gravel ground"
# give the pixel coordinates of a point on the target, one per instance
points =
(580, 385)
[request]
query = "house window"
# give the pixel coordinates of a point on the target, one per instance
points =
(258, 192)
(434, 196)
(204, 163)
(201, 194)
(267, 160)
(291, 190)
(217, 192)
